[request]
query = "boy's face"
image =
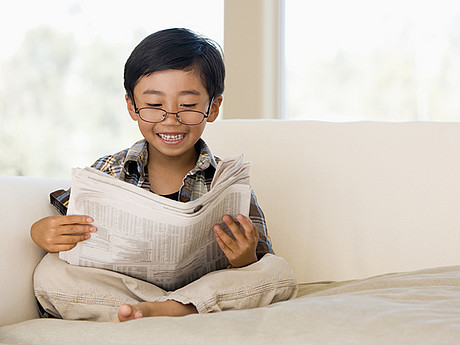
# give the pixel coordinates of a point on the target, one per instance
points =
(173, 91)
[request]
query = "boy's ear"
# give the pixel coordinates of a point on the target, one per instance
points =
(130, 106)
(215, 108)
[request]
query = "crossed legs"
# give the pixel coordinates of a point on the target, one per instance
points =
(82, 293)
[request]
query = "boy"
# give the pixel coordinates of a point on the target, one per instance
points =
(174, 80)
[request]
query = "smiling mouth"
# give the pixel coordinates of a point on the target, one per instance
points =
(171, 137)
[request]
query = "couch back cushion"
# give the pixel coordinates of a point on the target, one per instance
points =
(351, 200)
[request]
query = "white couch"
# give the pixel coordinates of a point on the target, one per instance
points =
(354, 203)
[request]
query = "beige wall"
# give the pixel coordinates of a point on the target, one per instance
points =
(252, 45)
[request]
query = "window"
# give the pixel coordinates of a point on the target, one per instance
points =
(395, 60)
(61, 76)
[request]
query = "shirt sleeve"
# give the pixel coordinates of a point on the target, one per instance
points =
(257, 217)
(60, 200)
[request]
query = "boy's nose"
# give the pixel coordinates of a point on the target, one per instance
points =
(171, 118)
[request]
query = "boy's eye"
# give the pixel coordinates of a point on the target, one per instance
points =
(156, 105)
(189, 105)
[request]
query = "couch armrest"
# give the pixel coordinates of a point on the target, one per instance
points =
(22, 202)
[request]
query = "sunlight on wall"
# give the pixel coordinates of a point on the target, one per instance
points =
(397, 60)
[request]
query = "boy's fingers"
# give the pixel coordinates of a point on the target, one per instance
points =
(67, 242)
(234, 228)
(73, 239)
(250, 230)
(76, 219)
(63, 247)
(75, 229)
(224, 238)
(74, 224)
(222, 244)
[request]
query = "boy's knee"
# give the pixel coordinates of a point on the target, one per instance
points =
(46, 269)
(275, 264)
(49, 268)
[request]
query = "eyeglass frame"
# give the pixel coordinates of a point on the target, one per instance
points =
(176, 114)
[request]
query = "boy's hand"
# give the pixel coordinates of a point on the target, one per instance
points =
(61, 233)
(241, 251)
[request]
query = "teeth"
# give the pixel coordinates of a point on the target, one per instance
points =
(168, 137)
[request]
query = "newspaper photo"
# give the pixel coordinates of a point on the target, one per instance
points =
(153, 238)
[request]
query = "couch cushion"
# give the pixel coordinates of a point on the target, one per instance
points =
(22, 202)
(421, 307)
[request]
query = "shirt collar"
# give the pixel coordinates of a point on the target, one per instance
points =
(205, 158)
(137, 158)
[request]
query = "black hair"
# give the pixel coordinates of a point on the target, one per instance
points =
(179, 49)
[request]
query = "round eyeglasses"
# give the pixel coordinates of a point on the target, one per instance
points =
(186, 117)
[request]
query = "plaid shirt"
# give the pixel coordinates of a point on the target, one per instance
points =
(130, 165)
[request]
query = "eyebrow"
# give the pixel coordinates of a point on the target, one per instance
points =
(182, 93)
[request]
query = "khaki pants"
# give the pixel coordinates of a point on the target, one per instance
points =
(83, 293)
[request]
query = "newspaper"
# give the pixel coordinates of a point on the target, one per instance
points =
(153, 238)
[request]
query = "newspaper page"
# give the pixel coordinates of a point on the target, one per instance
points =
(153, 238)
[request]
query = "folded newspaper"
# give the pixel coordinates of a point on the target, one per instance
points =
(153, 238)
